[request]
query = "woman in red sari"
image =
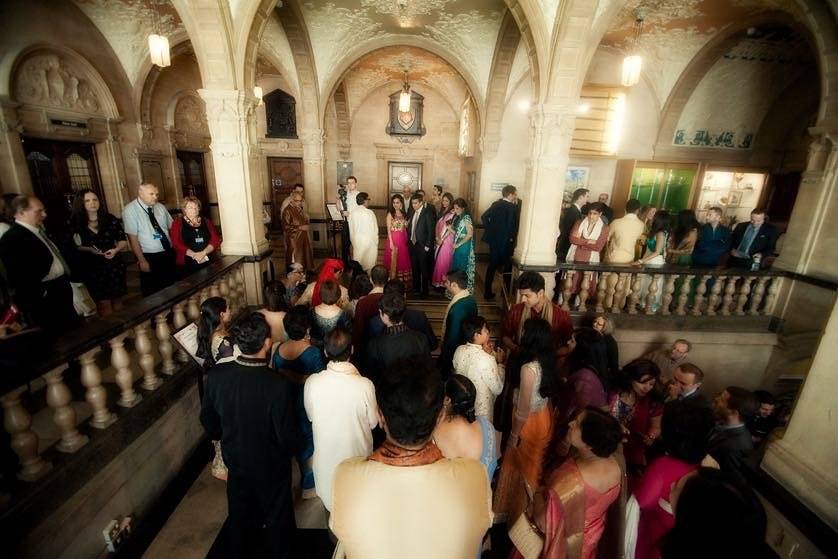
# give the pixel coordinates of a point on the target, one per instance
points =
(570, 510)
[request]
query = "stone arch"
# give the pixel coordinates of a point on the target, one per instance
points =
(208, 22)
(823, 28)
(508, 39)
(704, 61)
(146, 86)
(530, 21)
(294, 25)
(344, 123)
(58, 77)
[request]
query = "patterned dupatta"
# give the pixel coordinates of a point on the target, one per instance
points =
(393, 455)
(564, 517)
(526, 313)
(589, 234)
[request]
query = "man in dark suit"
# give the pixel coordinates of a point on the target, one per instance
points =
(398, 341)
(500, 229)
(730, 444)
(570, 216)
(251, 410)
(422, 221)
(685, 386)
(37, 272)
(414, 319)
(757, 237)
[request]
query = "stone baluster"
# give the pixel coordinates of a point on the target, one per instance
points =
(730, 289)
(143, 346)
(700, 290)
(215, 291)
(684, 295)
(179, 321)
(668, 292)
(193, 308)
(242, 290)
(634, 300)
(759, 294)
(164, 343)
(96, 395)
(620, 292)
(771, 297)
(584, 289)
(224, 290)
(124, 376)
(233, 298)
(610, 280)
(714, 295)
(744, 292)
(653, 294)
(64, 415)
(602, 285)
(24, 442)
(567, 284)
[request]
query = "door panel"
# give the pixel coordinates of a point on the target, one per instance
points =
(192, 179)
(283, 173)
(405, 174)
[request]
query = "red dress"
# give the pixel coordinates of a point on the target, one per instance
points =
(637, 419)
(652, 491)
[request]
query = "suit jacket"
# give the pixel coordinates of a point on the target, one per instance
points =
(500, 225)
(27, 260)
(763, 243)
(414, 319)
(461, 310)
(622, 239)
(569, 218)
(425, 227)
(712, 245)
(732, 449)
(398, 342)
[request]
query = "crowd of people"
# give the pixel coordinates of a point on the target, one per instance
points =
(541, 433)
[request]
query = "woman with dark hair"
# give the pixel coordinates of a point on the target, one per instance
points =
(99, 238)
(587, 364)
(657, 245)
(728, 516)
(462, 230)
(684, 238)
(532, 417)
(328, 315)
(444, 241)
(685, 434)
(570, 510)
(275, 308)
(462, 434)
(397, 251)
(213, 343)
(296, 359)
(635, 406)
(330, 270)
(361, 285)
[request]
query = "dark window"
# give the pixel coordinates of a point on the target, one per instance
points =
(280, 110)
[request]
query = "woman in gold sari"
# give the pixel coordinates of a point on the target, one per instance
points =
(570, 511)
(295, 226)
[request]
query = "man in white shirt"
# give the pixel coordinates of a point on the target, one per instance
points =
(363, 229)
(481, 363)
(347, 202)
(341, 406)
(147, 223)
(36, 269)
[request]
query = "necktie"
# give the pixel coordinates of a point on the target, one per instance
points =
(413, 226)
(747, 239)
(54, 249)
(164, 240)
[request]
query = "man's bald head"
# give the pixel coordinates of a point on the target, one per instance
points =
(148, 193)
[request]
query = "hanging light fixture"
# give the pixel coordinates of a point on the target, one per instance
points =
(404, 98)
(633, 63)
(257, 92)
(158, 45)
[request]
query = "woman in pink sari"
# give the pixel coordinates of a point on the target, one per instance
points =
(570, 511)
(397, 252)
(444, 241)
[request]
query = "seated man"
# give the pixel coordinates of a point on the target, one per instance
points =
(406, 500)
(730, 443)
(669, 358)
(398, 341)
(413, 318)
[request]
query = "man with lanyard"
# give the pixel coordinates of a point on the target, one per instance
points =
(147, 224)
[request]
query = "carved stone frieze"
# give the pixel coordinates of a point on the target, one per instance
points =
(190, 116)
(50, 80)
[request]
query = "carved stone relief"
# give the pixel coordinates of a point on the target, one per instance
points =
(51, 80)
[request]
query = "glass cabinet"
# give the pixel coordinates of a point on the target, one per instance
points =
(664, 186)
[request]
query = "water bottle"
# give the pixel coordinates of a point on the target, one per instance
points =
(755, 262)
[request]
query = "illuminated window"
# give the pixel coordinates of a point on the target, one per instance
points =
(599, 122)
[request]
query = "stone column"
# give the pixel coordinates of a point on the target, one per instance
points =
(313, 161)
(14, 172)
(235, 156)
(804, 459)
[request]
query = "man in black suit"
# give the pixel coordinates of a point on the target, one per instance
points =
(251, 410)
(757, 237)
(36, 270)
(570, 216)
(500, 229)
(414, 319)
(730, 444)
(398, 341)
(422, 221)
(685, 386)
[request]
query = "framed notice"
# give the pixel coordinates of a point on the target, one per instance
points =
(187, 338)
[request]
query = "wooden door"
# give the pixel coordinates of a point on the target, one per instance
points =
(284, 173)
(190, 166)
(59, 170)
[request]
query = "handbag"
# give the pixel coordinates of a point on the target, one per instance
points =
(82, 301)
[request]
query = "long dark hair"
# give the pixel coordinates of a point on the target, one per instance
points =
(590, 352)
(463, 204)
(537, 345)
(78, 216)
(686, 222)
(392, 209)
(448, 196)
(211, 310)
(461, 392)
(661, 223)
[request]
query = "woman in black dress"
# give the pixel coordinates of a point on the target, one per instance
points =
(99, 238)
(193, 237)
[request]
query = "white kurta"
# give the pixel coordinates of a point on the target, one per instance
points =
(363, 231)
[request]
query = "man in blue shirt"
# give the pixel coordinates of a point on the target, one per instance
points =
(758, 237)
(713, 240)
(147, 223)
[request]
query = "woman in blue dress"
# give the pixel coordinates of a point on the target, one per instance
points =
(296, 359)
(463, 232)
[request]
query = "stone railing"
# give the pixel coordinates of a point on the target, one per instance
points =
(62, 396)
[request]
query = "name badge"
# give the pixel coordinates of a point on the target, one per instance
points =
(199, 239)
(156, 236)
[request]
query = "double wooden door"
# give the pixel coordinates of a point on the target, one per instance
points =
(190, 165)
(283, 173)
(58, 170)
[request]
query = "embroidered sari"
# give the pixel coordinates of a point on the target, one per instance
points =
(464, 255)
(397, 260)
(445, 249)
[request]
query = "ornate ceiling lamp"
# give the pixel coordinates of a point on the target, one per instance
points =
(158, 44)
(404, 98)
(633, 63)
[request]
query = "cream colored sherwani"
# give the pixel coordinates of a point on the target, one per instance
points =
(622, 239)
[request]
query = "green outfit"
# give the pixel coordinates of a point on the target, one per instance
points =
(464, 255)
(459, 311)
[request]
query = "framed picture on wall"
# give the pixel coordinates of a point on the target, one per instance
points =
(575, 177)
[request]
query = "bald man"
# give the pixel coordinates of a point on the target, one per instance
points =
(147, 223)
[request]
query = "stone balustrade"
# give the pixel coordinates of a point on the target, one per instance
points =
(93, 377)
